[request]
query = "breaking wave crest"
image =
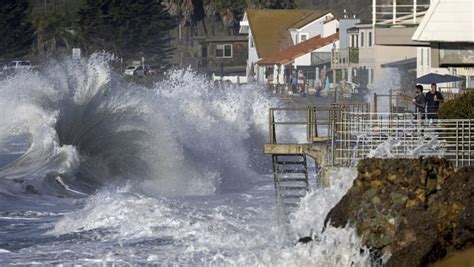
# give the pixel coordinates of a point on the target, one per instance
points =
(85, 127)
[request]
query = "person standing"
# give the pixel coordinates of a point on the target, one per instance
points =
(419, 101)
(301, 83)
(294, 82)
(433, 100)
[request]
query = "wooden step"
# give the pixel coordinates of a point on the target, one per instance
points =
(292, 171)
(282, 179)
(290, 162)
(287, 196)
(293, 188)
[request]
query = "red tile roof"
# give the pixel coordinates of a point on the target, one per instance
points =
(270, 28)
(289, 54)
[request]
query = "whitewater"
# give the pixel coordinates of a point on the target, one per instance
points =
(97, 170)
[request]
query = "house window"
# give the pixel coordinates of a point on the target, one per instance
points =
(354, 40)
(370, 39)
(362, 39)
(303, 37)
(251, 42)
(224, 50)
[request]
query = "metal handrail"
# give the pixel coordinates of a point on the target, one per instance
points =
(312, 120)
(358, 134)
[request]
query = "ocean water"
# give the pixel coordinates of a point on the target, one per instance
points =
(95, 170)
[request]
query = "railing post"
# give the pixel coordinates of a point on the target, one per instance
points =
(333, 135)
(470, 135)
(308, 125)
(271, 123)
(375, 102)
(457, 144)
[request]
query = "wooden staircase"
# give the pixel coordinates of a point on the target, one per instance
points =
(291, 180)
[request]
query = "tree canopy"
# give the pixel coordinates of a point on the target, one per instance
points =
(16, 30)
(129, 29)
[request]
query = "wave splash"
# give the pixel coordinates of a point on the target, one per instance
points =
(86, 127)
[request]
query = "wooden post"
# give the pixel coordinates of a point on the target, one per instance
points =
(375, 102)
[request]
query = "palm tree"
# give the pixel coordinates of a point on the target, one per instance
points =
(181, 9)
(52, 35)
(210, 10)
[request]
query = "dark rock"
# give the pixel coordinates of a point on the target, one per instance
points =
(305, 239)
(418, 210)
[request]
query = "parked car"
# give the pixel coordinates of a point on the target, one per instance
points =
(139, 70)
(130, 70)
(19, 65)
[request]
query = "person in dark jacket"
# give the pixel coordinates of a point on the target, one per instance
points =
(419, 101)
(294, 82)
(433, 100)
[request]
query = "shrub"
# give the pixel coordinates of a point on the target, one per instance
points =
(461, 107)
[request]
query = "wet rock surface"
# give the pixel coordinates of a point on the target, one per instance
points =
(416, 210)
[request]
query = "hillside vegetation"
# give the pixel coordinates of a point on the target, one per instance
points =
(131, 29)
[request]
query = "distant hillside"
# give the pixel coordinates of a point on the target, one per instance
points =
(51, 28)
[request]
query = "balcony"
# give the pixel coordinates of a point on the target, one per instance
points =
(343, 58)
(354, 55)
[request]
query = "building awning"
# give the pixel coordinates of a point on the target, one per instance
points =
(447, 21)
(409, 63)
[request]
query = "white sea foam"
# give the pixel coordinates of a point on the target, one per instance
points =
(89, 131)
(222, 235)
(178, 137)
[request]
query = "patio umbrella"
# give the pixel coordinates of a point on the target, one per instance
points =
(437, 78)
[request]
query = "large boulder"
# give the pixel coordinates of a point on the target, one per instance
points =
(416, 210)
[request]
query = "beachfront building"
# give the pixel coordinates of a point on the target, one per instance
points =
(394, 23)
(283, 41)
(449, 40)
(224, 58)
(355, 58)
(345, 59)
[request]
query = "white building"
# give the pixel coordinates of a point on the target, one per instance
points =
(448, 31)
(284, 40)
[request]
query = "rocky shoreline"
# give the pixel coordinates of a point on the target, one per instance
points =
(416, 210)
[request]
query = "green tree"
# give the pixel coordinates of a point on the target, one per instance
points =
(53, 36)
(130, 29)
(15, 29)
(460, 107)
